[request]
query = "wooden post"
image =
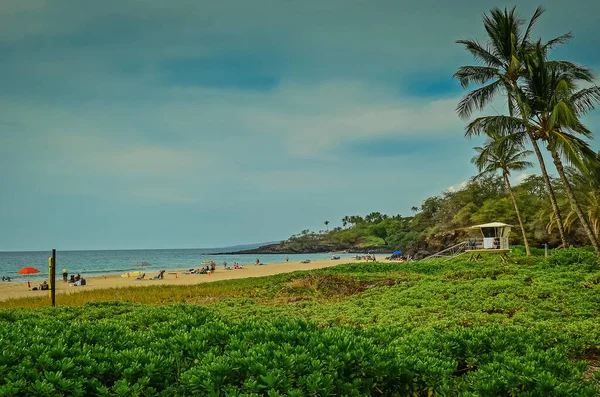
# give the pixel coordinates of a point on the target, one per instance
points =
(53, 286)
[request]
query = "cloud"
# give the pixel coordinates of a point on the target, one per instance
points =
(518, 179)
(204, 109)
(457, 187)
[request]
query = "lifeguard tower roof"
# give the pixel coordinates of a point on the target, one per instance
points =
(492, 224)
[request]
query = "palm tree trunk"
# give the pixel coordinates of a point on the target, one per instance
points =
(549, 190)
(573, 200)
(514, 200)
(538, 153)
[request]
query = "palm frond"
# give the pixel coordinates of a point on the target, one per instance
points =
(503, 125)
(482, 54)
(475, 74)
(520, 165)
(571, 148)
(585, 100)
(477, 99)
(569, 69)
(538, 13)
(503, 30)
(562, 39)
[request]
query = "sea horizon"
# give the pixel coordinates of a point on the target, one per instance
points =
(94, 263)
(226, 247)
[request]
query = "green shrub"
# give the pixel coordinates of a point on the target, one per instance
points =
(573, 257)
(189, 350)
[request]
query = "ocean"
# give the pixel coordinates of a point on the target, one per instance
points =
(99, 263)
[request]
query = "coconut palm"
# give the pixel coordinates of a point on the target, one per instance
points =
(326, 225)
(502, 153)
(503, 65)
(551, 110)
(586, 181)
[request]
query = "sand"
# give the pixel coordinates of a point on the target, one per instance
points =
(176, 277)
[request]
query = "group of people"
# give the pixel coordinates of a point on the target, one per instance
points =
(401, 258)
(366, 258)
(204, 269)
(76, 280)
(236, 266)
(5, 278)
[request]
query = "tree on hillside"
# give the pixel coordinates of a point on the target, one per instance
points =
(326, 225)
(501, 153)
(352, 220)
(503, 59)
(375, 217)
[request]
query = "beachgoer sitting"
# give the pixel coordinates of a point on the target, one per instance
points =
(44, 286)
(83, 282)
(72, 280)
(78, 277)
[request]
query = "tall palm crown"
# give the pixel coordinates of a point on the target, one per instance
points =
(551, 107)
(555, 104)
(501, 153)
(501, 58)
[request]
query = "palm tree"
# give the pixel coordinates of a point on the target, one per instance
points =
(503, 66)
(551, 110)
(586, 181)
(587, 188)
(326, 225)
(502, 153)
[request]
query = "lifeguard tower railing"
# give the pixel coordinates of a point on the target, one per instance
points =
(487, 243)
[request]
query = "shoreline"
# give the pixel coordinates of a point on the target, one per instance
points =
(15, 290)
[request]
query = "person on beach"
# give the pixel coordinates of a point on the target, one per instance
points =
(287, 258)
(65, 274)
(257, 261)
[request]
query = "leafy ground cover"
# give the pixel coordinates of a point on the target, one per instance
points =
(403, 329)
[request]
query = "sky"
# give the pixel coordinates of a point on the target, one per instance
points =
(192, 123)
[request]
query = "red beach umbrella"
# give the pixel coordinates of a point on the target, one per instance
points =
(28, 270)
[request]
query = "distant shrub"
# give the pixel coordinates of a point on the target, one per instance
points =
(573, 257)
(520, 250)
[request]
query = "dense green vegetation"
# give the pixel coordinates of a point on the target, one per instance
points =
(443, 220)
(417, 328)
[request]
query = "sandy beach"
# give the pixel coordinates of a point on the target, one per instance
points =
(20, 289)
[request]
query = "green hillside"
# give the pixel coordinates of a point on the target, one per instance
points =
(443, 220)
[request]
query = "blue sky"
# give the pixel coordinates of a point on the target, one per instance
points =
(152, 124)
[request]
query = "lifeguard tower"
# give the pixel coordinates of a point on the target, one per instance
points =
(493, 240)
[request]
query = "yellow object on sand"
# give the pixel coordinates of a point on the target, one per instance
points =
(132, 274)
